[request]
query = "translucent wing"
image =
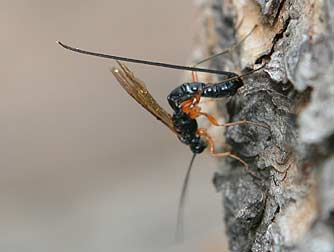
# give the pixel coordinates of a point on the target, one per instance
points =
(137, 89)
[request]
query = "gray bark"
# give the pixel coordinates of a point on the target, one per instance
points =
(266, 208)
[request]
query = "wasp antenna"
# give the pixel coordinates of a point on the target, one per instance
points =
(138, 61)
(180, 209)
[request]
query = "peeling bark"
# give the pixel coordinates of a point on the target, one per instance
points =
(285, 201)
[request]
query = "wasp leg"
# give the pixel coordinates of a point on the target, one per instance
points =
(194, 76)
(191, 103)
(244, 122)
(203, 133)
(191, 108)
(228, 50)
(235, 45)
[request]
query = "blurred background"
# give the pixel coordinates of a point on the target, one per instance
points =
(83, 167)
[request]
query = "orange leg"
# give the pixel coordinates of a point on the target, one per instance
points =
(191, 108)
(243, 122)
(195, 112)
(194, 76)
(207, 100)
(203, 133)
(215, 122)
(228, 50)
(193, 102)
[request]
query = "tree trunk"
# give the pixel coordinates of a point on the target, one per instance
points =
(285, 200)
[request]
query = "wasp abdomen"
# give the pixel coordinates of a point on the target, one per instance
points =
(184, 92)
(221, 90)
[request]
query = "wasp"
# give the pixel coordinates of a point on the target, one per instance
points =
(184, 101)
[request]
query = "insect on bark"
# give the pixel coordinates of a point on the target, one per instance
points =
(184, 100)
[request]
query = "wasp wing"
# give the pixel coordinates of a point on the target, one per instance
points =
(137, 89)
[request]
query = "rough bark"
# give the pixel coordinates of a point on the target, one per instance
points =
(285, 200)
